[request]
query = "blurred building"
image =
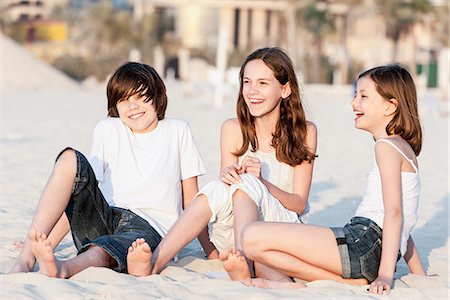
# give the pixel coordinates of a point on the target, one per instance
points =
(356, 40)
(28, 10)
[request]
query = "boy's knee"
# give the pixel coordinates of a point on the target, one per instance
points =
(67, 157)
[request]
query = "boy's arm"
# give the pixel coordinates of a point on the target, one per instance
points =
(190, 189)
(412, 258)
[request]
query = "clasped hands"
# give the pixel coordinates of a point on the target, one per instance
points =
(250, 164)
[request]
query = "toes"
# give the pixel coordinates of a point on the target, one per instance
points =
(223, 256)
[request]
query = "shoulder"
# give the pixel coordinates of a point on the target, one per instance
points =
(108, 124)
(231, 125)
(311, 136)
(311, 129)
(385, 152)
(174, 124)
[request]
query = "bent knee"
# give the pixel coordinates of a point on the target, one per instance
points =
(252, 240)
(67, 157)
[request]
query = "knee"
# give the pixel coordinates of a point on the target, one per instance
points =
(252, 240)
(239, 195)
(66, 158)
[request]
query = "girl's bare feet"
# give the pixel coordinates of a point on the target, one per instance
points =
(272, 284)
(139, 258)
(235, 264)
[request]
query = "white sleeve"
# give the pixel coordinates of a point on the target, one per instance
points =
(190, 159)
(97, 154)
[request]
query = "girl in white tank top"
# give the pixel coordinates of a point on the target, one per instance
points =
(367, 249)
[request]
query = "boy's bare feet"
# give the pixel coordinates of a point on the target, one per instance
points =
(139, 258)
(42, 250)
(272, 284)
(235, 264)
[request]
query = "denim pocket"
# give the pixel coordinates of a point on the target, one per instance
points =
(370, 261)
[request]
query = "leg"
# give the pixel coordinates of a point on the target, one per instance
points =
(58, 232)
(53, 202)
(188, 226)
(245, 211)
(50, 266)
(302, 251)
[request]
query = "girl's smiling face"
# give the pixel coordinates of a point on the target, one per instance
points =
(261, 90)
(138, 115)
(371, 108)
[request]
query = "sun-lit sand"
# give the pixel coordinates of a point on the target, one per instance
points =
(40, 117)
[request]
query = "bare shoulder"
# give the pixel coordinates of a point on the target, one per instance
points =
(311, 129)
(385, 152)
(231, 126)
(396, 141)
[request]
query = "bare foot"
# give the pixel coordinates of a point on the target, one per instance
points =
(25, 261)
(18, 244)
(272, 284)
(23, 265)
(138, 258)
(235, 264)
(42, 250)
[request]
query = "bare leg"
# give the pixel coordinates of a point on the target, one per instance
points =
(311, 255)
(139, 258)
(235, 264)
(51, 206)
(188, 226)
(50, 266)
(246, 211)
(58, 232)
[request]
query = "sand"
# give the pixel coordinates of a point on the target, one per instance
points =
(38, 121)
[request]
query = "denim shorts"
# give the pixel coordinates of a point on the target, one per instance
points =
(359, 243)
(94, 223)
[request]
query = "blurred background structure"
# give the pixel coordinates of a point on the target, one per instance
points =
(205, 41)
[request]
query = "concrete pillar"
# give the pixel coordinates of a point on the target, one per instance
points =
(226, 14)
(243, 29)
(291, 31)
(159, 60)
(258, 38)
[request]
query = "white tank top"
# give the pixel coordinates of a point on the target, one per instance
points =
(372, 206)
(278, 173)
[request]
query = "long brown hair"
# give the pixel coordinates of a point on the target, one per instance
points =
(290, 131)
(133, 78)
(394, 81)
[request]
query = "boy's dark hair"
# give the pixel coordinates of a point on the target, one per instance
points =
(135, 78)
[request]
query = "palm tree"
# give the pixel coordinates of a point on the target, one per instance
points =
(316, 19)
(400, 16)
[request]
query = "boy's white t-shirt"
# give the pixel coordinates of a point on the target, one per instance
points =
(143, 172)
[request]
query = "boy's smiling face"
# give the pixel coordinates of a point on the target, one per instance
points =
(138, 115)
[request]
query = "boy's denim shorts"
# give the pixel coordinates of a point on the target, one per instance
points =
(94, 223)
(359, 243)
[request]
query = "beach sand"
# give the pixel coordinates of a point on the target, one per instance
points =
(38, 122)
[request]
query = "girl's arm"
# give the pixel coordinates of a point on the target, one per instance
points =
(190, 189)
(296, 201)
(389, 163)
(412, 258)
(230, 141)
